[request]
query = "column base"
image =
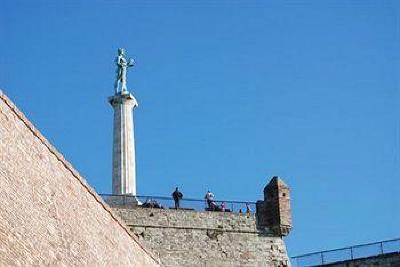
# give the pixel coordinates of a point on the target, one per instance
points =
(122, 201)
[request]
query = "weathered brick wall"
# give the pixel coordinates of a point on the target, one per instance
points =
(49, 215)
(274, 211)
(385, 260)
(191, 238)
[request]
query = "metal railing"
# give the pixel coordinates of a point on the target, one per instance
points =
(185, 203)
(347, 253)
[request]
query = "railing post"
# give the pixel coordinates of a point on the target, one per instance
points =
(381, 247)
(351, 253)
(322, 258)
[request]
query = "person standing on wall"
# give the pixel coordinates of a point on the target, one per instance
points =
(248, 210)
(209, 197)
(177, 196)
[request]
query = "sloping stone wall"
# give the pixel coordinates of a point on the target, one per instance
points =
(212, 239)
(49, 215)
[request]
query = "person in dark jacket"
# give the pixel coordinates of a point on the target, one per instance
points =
(177, 196)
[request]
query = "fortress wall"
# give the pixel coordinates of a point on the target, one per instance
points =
(192, 238)
(49, 215)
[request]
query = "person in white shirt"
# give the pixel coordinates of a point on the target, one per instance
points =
(210, 200)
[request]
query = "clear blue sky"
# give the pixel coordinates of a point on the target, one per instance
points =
(230, 93)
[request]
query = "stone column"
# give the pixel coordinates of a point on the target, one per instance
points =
(124, 166)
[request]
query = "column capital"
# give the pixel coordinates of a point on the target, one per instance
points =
(119, 99)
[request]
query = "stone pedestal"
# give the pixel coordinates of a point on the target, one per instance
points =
(124, 166)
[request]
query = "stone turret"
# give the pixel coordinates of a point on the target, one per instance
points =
(274, 211)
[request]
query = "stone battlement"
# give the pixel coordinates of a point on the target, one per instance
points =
(211, 238)
(187, 219)
(202, 238)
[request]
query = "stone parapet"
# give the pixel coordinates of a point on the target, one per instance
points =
(193, 238)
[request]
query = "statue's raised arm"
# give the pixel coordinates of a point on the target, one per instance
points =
(122, 65)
